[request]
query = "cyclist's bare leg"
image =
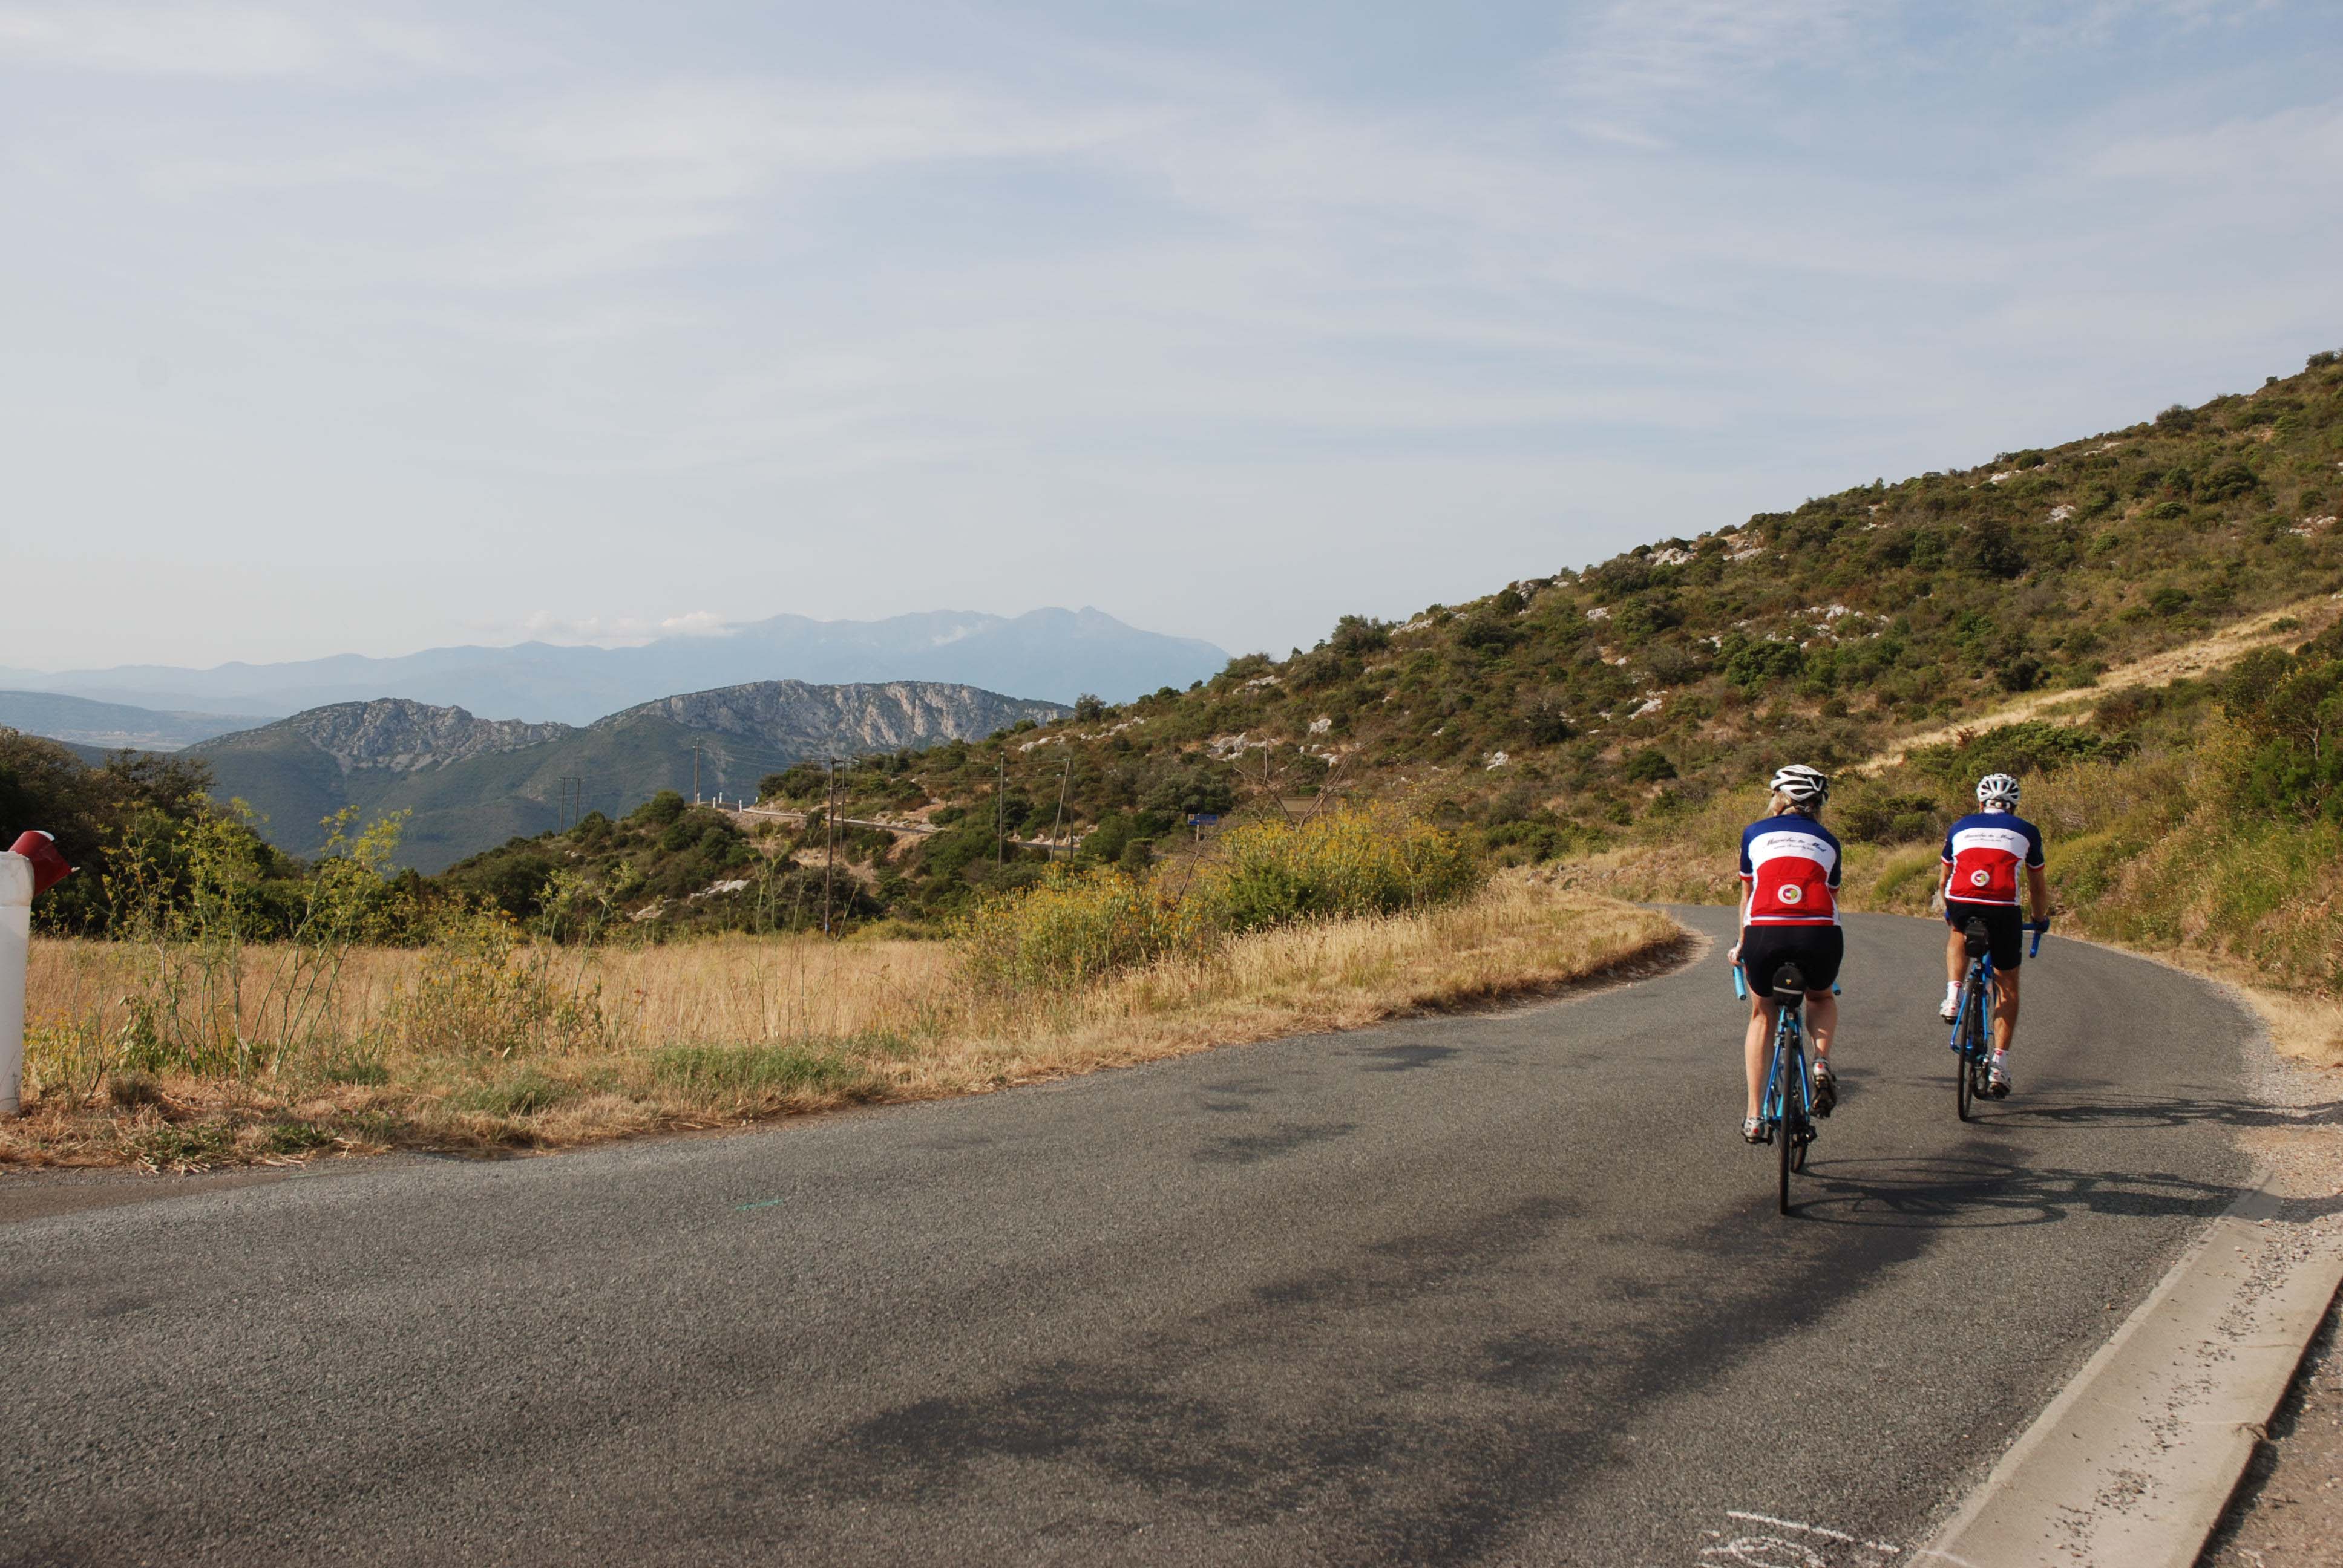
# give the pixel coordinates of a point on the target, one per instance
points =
(1957, 956)
(2005, 1007)
(1821, 1021)
(1759, 1046)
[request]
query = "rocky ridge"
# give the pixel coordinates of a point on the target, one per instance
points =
(882, 715)
(403, 736)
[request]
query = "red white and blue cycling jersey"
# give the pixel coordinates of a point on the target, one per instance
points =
(1789, 872)
(1982, 852)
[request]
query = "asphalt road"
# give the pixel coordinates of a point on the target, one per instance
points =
(1495, 1289)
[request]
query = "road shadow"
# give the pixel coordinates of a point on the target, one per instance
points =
(2116, 1107)
(1971, 1192)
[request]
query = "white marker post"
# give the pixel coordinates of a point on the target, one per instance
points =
(30, 869)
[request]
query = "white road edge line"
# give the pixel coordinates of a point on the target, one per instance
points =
(2133, 1463)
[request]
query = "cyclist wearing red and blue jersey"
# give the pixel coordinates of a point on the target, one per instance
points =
(1985, 855)
(1790, 865)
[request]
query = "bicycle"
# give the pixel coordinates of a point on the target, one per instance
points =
(1786, 1110)
(1972, 1038)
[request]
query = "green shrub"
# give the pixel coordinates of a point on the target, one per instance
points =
(486, 991)
(1648, 766)
(1072, 927)
(524, 1094)
(1359, 861)
(753, 1072)
(2031, 747)
(1075, 927)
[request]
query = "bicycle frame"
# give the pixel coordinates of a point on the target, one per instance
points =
(1981, 969)
(1789, 1044)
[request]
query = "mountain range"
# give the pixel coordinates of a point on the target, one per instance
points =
(110, 726)
(472, 783)
(1051, 654)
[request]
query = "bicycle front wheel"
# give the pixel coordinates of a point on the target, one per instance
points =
(1964, 1058)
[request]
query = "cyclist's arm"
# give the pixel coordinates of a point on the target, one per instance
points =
(2038, 887)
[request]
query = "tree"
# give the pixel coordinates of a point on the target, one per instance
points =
(1089, 707)
(1649, 765)
(1356, 636)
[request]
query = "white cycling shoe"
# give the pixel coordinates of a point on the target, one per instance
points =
(1950, 1008)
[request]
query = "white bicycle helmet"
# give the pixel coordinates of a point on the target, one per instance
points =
(1997, 790)
(1804, 786)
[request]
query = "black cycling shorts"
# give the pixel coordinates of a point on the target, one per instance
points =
(2004, 926)
(1816, 950)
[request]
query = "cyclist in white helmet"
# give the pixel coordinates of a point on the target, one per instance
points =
(1983, 856)
(1790, 865)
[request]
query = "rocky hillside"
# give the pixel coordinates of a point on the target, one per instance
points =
(1568, 711)
(472, 783)
(393, 733)
(854, 721)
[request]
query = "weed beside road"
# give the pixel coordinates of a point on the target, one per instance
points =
(491, 1041)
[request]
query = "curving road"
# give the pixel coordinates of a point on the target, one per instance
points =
(1494, 1289)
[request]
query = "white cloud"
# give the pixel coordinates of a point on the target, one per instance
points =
(2305, 142)
(615, 631)
(1636, 61)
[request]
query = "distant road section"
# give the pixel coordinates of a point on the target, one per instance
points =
(1494, 1289)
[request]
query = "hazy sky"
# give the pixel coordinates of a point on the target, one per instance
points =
(354, 327)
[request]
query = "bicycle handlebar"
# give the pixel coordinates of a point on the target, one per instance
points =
(2040, 929)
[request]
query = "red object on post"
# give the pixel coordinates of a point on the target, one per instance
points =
(49, 867)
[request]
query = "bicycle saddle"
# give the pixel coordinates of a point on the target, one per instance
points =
(1789, 985)
(1974, 935)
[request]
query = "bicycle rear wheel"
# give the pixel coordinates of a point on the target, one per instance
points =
(1785, 1126)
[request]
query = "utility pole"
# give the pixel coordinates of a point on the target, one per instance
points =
(1000, 811)
(1066, 778)
(695, 772)
(830, 833)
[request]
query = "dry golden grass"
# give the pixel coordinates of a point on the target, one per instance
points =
(730, 1030)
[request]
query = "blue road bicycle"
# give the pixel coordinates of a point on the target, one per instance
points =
(1786, 1110)
(1972, 1040)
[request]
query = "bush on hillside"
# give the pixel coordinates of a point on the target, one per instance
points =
(2291, 708)
(2024, 749)
(1354, 861)
(1074, 926)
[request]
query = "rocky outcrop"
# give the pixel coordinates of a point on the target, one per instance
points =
(879, 716)
(394, 733)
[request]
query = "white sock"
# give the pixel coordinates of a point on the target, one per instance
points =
(1999, 1056)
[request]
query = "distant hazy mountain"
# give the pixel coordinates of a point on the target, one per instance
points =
(110, 726)
(473, 783)
(1055, 654)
